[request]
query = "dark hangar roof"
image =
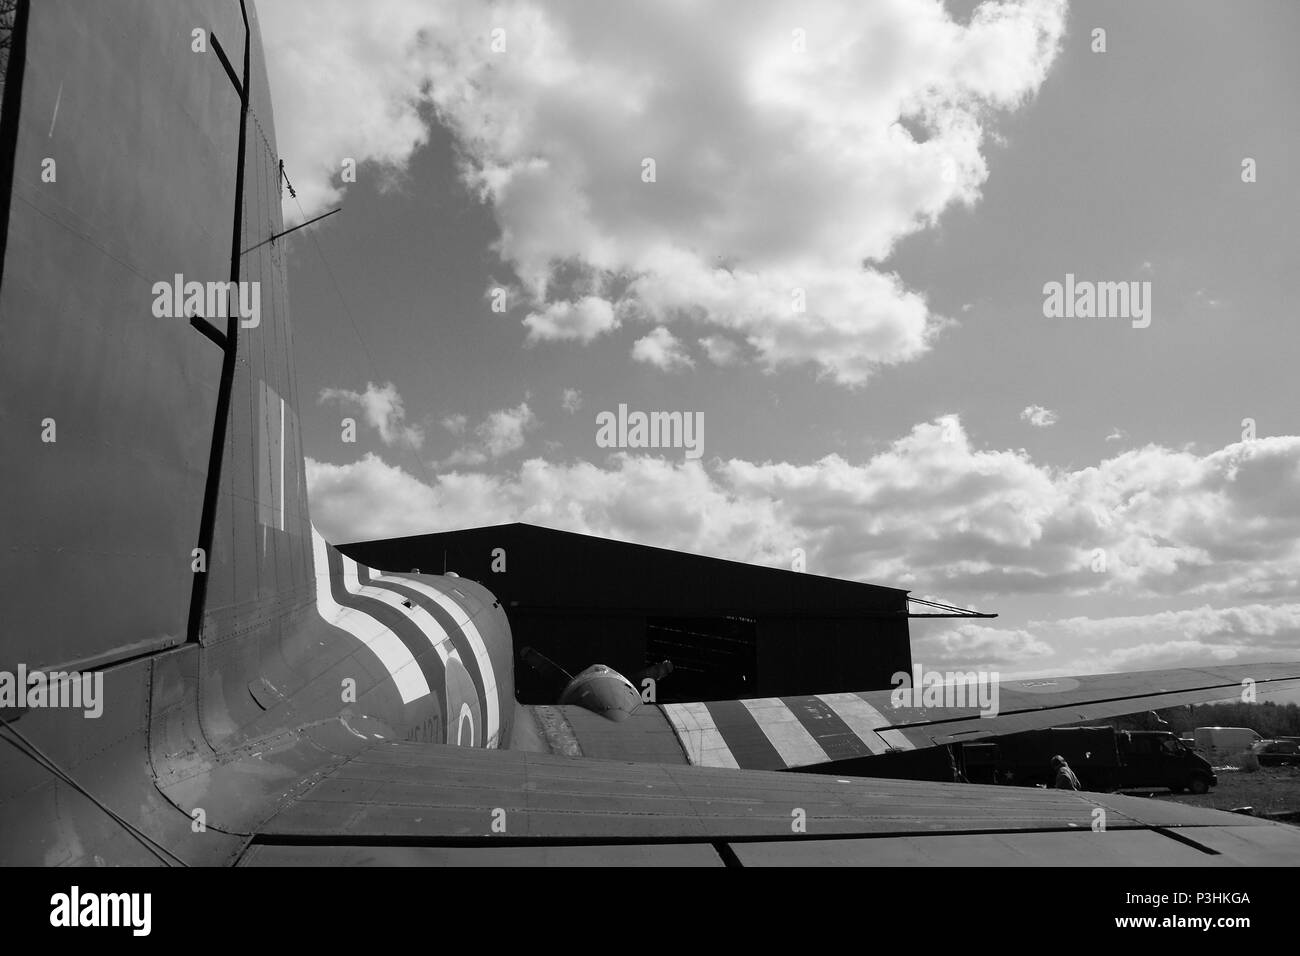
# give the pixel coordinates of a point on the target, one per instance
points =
(546, 568)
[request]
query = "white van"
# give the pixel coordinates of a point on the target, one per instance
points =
(1225, 740)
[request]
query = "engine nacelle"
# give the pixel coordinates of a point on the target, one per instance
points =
(603, 690)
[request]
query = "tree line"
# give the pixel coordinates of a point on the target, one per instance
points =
(1267, 719)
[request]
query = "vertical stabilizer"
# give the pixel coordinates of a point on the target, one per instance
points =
(112, 341)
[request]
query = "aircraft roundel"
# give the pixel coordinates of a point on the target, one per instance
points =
(464, 710)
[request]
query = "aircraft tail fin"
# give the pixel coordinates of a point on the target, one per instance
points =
(155, 484)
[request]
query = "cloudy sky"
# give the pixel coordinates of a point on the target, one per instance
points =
(828, 229)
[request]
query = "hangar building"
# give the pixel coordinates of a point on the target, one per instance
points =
(730, 629)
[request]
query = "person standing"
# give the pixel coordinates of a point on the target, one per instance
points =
(1065, 778)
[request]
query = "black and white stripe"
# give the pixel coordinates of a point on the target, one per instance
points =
(778, 733)
(415, 630)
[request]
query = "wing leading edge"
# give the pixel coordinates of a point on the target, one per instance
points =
(402, 802)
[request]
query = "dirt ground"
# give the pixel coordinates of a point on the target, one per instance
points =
(1269, 790)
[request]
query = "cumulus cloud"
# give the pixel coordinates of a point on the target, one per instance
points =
(928, 510)
(830, 132)
(1253, 632)
(1203, 624)
(1085, 645)
(671, 503)
(978, 646)
(341, 493)
(346, 84)
(720, 350)
(1177, 638)
(571, 400)
(1038, 416)
(455, 424)
(501, 433)
(663, 350)
(580, 321)
(383, 410)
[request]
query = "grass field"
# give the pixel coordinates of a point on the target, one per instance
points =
(1269, 790)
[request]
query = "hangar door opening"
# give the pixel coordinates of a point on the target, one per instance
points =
(714, 658)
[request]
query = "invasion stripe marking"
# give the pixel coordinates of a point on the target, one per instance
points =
(795, 745)
(466, 624)
(463, 649)
(746, 740)
(860, 717)
(830, 731)
(369, 577)
(894, 738)
(433, 632)
(348, 592)
(700, 739)
(383, 643)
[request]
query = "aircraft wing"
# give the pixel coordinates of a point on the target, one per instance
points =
(413, 803)
(781, 733)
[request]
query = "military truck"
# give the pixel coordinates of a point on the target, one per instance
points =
(1103, 759)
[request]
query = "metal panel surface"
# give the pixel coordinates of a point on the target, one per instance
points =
(1111, 848)
(429, 793)
(664, 854)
